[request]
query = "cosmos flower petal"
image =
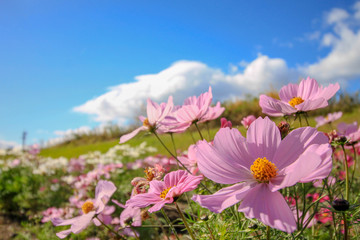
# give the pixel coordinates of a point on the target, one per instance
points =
(63, 234)
(127, 137)
(295, 144)
(82, 222)
(271, 106)
(263, 138)
(153, 111)
(157, 206)
(324, 151)
(308, 89)
(143, 200)
(304, 166)
(104, 190)
(312, 104)
(269, 208)
(156, 187)
(329, 91)
(288, 92)
(174, 178)
(223, 198)
(212, 164)
(63, 222)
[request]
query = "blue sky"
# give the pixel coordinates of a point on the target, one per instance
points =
(71, 64)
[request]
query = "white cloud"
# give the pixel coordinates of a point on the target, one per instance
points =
(343, 61)
(8, 144)
(187, 78)
(184, 79)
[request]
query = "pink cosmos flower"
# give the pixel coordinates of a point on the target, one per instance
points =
(129, 216)
(350, 131)
(195, 109)
(324, 215)
(155, 114)
(190, 160)
(246, 121)
(162, 192)
(260, 165)
(331, 117)
(104, 190)
(213, 113)
(306, 96)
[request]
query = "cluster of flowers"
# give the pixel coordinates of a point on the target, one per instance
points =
(270, 158)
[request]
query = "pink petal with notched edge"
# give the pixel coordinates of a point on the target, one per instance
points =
(308, 89)
(104, 190)
(212, 164)
(63, 222)
(304, 166)
(174, 178)
(63, 234)
(294, 144)
(188, 184)
(288, 92)
(82, 222)
(223, 198)
(325, 152)
(263, 139)
(269, 207)
(127, 137)
(156, 187)
(143, 200)
(329, 91)
(153, 111)
(312, 104)
(157, 206)
(230, 144)
(269, 106)
(133, 213)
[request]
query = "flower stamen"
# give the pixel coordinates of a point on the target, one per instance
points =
(88, 206)
(164, 192)
(263, 170)
(295, 101)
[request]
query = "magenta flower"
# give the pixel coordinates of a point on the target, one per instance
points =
(246, 121)
(195, 109)
(298, 98)
(155, 114)
(260, 165)
(104, 190)
(225, 123)
(162, 192)
(331, 117)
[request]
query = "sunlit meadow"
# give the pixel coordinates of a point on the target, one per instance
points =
(189, 173)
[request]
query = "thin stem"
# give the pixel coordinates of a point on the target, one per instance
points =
(300, 120)
(353, 173)
(185, 222)
(192, 137)
(347, 175)
(267, 232)
(136, 236)
(173, 142)
(208, 130)
(345, 227)
(109, 228)
(167, 149)
(169, 222)
(197, 127)
(307, 122)
(304, 205)
(160, 226)
(211, 234)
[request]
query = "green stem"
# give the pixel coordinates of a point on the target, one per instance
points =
(307, 122)
(208, 130)
(136, 236)
(345, 227)
(197, 127)
(185, 222)
(169, 222)
(267, 232)
(211, 234)
(173, 142)
(304, 205)
(167, 149)
(347, 174)
(109, 228)
(353, 173)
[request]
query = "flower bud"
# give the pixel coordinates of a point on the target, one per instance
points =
(340, 205)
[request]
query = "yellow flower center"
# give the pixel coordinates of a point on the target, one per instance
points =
(295, 101)
(263, 170)
(146, 123)
(88, 206)
(164, 192)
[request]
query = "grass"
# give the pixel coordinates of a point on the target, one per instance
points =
(182, 140)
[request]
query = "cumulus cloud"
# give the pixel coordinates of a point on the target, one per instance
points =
(187, 78)
(183, 79)
(343, 61)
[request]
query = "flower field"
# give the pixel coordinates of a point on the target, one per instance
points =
(282, 175)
